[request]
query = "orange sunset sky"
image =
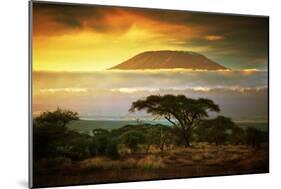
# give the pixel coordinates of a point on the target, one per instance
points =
(85, 38)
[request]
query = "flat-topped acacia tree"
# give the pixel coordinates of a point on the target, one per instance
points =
(183, 113)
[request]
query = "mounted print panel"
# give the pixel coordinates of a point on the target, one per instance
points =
(125, 94)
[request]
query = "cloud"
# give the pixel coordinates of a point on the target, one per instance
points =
(234, 41)
(56, 19)
(173, 78)
(214, 37)
(68, 90)
(202, 90)
(110, 93)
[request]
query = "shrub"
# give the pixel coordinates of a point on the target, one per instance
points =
(104, 145)
(255, 137)
(112, 149)
(132, 139)
(101, 143)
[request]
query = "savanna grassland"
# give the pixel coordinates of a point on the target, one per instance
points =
(144, 151)
(200, 160)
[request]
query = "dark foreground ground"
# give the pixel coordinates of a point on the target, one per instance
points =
(200, 160)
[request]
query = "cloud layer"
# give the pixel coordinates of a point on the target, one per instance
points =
(242, 94)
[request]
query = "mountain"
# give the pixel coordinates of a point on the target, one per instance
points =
(168, 60)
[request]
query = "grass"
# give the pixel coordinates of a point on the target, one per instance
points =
(151, 162)
(202, 154)
(202, 159)
(146, 162)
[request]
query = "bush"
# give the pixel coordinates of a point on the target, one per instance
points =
(78, 147)
(112, 149)
(255, 137)
(132, 139)
(50, 134)
(237, 136)
(104, 145)
(101, 143)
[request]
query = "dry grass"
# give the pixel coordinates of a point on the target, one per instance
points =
(98, 162)
(197, 157)
(199, 160)
(147, 162)
(201, 154)
(151, 162)
(208, 154)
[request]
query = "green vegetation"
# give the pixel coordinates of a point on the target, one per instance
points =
(57, 140)
(87, 126)
(191, 140)
(132, 139)
(185, 114)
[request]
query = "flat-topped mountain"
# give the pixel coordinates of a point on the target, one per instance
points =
(168, 60)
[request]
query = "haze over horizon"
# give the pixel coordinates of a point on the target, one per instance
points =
(109, 94)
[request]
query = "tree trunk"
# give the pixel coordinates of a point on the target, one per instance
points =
(187, 144)
(186, 141)
(187, 137)
(162, 148)
(147, 148)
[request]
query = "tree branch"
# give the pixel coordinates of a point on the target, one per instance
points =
(168, 117)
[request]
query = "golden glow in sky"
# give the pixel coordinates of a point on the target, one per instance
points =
(88, 38)
(88, 51)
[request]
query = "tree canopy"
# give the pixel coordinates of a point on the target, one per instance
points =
(58, 117)
(182, 112)
(218, 128)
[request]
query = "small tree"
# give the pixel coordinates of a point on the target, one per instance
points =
(183, 113)
(132, 139)
(112, 149)
(151, 137)
(158, 135)
(100, 132)
(104, 144)
(50, 134)
(58, 117)
(237, 135)
(101, 144)
(255, 137)
(218, 129)
(77, 145)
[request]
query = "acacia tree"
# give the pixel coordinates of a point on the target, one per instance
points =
(185, 114)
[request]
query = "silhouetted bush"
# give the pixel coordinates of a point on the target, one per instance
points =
(112, 149)
(237, 136)
(255, 137)
(132, 139)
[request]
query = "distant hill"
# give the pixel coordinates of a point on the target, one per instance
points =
(168, 60)
(86, 126)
